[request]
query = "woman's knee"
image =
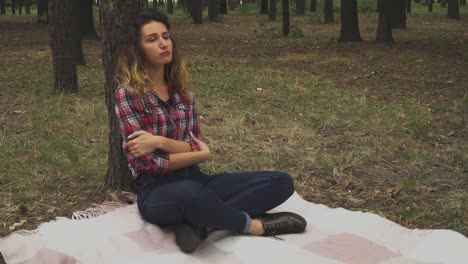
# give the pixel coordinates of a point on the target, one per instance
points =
(166, 205)
(286, 182)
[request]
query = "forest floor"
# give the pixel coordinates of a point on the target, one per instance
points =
(365, 126)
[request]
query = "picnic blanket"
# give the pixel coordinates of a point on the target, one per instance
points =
(332, 236)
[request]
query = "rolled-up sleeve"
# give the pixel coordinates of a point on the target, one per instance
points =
(131, 117)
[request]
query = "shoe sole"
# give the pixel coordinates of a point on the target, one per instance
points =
(186, 238)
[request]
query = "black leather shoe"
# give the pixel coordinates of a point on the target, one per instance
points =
(282, 223)
(188, 236)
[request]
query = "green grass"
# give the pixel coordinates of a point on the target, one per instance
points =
(65, 133)
(317, 108)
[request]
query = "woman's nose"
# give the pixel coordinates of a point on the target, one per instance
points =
(163, 43)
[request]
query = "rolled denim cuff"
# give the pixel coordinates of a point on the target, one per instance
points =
(248, 223)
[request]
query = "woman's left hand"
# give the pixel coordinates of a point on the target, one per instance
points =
(142, 143)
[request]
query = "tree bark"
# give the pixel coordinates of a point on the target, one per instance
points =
(443, 3)
(349, 22)
(408, 6)
(399, 13)
(430, 4)
(13, 6)
(453, 9)
(213, 10)
(328, 12)
(86, 20)
(264, 7)
(300, 7)
(41, 7)
(114, 15)
(188, 7)
(384, 29)
(285, 17)
(223, 6)
(232, 5)
(61, 42)
(463, 2)
(170, 7)
(2, 7)
(20, 6)
(313, 5)
(75, 32)
(272, 11)
(27, 6)
(197, 11)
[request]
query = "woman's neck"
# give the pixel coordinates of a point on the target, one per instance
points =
(156, 73)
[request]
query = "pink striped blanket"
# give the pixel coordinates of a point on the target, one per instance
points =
(332, 236)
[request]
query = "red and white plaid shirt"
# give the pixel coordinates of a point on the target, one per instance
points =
(152, 114)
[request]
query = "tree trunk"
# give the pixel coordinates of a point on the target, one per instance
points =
(213, 10)
(75, 31)
(443, 3)
(20, 6)
(453, 10)
(2, 7)
(223, 6)
(285, 17)
(61, 42)
(463, 2)
(41, 7)
(196, 11)
(232, 5)
(170, 7)
(313, 5)
(114, 15)
(27, 6)
(349, 22)
(430, 4)
(188, 7)
(328, 12)
(86, 20)
(399, 13)
(272, 11)
(264, 7)
(384, 29)
(300, 7)
(408, 6)
(13, 6)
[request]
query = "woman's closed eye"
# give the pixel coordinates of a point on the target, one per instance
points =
(155, 37)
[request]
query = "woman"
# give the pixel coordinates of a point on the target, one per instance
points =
(161, 140)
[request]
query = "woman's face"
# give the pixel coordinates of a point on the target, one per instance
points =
(156, 43)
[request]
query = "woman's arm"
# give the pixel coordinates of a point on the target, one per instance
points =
(130, 116)
(182, 160)
(169, 145)
(173, 146)
(145, 143)
(142, 143)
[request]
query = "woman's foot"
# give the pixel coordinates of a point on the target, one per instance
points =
(281, 223)
(188, 236)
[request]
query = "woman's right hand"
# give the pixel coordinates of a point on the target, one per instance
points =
(204, 149)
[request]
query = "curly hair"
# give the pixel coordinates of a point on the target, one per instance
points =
(131, 70)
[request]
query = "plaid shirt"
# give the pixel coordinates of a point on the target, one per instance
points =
(151, 114)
